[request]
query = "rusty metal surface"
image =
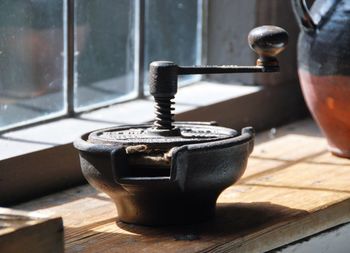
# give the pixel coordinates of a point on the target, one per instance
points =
(144, 134)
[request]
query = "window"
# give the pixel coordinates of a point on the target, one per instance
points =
(63, 57)
(40, 159)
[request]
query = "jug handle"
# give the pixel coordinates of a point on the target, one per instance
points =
(302, 13)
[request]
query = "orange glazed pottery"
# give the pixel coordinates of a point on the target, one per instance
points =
(324, 68)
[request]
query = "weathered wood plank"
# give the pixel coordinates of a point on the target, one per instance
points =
(29, 232)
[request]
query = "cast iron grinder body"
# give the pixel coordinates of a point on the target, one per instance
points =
(173, 172)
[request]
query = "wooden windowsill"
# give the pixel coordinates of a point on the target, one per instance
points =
(293, 188)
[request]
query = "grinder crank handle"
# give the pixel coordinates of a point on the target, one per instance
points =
(267, 41)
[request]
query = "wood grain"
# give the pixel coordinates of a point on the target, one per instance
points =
(293, 188)
(29, 232)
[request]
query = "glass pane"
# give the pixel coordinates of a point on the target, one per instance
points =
(31, 60)
(104, 50)
(172, 32)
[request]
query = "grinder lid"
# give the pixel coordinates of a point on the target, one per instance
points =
(183, 133)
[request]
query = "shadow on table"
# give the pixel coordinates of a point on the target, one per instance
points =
(232, 221)
(231, 218)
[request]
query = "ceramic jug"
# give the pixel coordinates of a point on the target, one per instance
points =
(324, 67)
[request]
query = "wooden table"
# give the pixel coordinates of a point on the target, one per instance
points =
(293, 188)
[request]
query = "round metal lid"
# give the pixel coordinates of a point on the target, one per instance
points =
(186, 133)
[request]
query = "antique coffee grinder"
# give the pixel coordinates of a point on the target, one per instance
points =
(173, 172)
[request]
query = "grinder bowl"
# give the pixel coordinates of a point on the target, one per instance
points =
(162, 182)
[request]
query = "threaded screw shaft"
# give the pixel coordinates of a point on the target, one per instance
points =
(163, 87)
(164, 116)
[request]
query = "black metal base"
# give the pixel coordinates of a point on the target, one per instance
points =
(160, 211)
(185, 194)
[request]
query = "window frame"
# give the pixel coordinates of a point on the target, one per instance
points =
(277, 102)
(69, 87)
